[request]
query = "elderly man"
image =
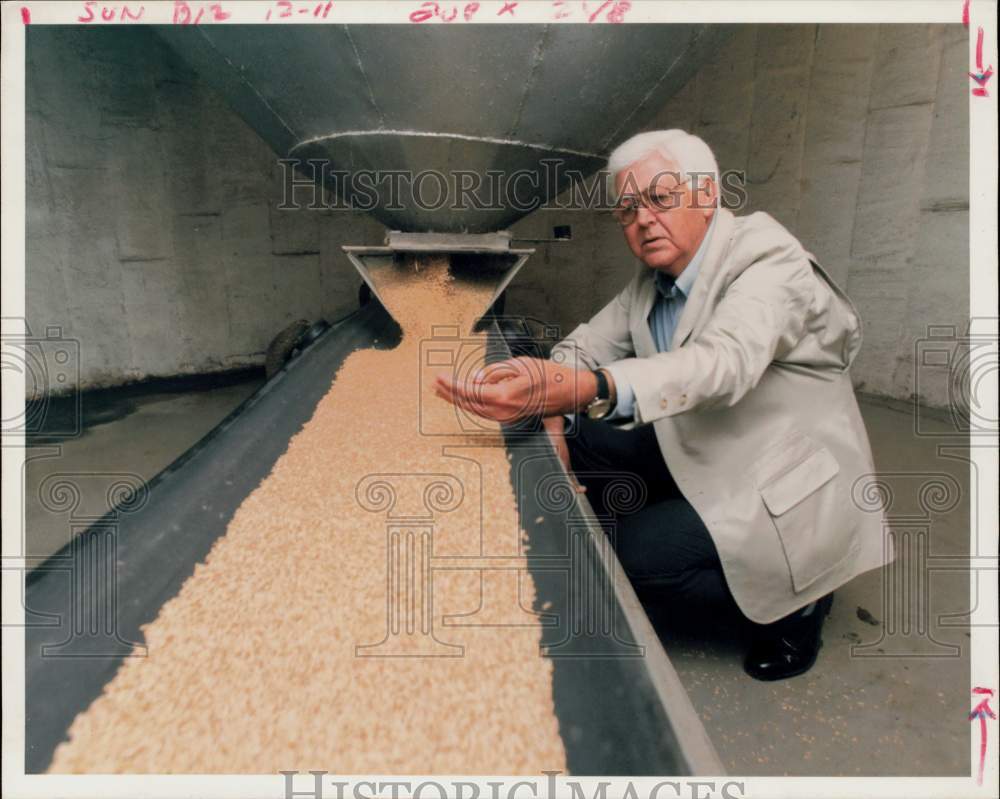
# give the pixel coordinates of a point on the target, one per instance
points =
(727, 357)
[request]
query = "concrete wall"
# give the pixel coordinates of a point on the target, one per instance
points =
(152, 230)
(856, 138)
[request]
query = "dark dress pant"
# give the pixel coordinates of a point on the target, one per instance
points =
(660, 540)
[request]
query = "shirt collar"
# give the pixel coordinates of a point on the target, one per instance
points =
(669, 286)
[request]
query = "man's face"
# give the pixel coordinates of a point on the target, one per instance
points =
(671, 219)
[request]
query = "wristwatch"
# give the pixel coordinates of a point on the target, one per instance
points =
(601, 405)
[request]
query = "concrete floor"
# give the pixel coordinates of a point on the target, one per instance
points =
(876, 703)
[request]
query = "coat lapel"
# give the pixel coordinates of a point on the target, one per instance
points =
(706, 278)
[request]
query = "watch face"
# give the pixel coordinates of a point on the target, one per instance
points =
(598, 409)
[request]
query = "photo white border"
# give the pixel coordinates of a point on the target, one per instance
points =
(983, 298)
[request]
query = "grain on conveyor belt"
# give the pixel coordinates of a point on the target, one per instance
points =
(252, 667)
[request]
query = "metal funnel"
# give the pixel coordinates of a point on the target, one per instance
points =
(481, 258)
(474, 99)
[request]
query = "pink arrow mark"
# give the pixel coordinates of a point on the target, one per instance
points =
(982, 711)
(983, 76)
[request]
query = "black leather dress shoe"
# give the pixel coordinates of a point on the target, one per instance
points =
(788, 647)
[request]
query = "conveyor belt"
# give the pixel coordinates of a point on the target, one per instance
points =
(620, 706)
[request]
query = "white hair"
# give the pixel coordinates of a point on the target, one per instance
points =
(691, 155)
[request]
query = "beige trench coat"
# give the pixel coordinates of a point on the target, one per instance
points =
(754, 411)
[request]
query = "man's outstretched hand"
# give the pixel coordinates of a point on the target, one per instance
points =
(519, 388)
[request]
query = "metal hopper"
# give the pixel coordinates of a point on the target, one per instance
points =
(473, 99)
(499, 117)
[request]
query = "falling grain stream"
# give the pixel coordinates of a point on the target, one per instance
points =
(278, 652)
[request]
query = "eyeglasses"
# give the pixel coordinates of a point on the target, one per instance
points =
(626, 210)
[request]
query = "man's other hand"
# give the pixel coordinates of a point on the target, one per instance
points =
(555, 426)
(519, 388)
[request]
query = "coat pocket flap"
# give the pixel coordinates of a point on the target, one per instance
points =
(785, 492)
